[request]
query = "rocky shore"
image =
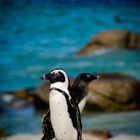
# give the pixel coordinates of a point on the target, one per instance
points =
(85, 137)
(113, 92)
(38, 137)
(122, 39)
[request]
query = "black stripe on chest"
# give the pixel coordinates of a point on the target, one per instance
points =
(71, 110)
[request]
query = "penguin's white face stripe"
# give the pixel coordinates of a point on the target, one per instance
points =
(63, 72)
(56, 71)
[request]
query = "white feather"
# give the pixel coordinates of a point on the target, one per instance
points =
(82, 103)
(60, 119)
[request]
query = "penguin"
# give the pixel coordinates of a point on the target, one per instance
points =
(79, 92)
(80, 89)
(64, 112)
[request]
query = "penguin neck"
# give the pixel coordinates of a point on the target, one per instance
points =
(80, 85)
(60, 85)
(81, 90)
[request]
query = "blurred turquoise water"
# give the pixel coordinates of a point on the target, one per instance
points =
(37, 38)
(117, 123)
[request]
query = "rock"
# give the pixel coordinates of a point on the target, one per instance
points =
(97, 133)
(42, 91)
(115, 92)
(24, 137)
(22, 98)
(112, 39)
(125, 137)
(85, 137)
(9, 100)
(23, 94)
(38, 137)
(3, 133)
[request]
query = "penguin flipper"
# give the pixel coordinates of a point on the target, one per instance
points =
(44, 138)
(47, 127)
(77, 115)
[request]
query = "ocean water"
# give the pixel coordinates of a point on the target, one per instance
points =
(37, 36)
(24, 121)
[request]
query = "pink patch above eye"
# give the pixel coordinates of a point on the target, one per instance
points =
(56, 74)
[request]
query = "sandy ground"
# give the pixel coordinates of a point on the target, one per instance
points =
(125, 137)
(85, 137)
(38, 137)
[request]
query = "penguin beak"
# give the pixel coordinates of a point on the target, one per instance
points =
(46, 76)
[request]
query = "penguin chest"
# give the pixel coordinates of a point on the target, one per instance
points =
(61, 122)
(82, 103)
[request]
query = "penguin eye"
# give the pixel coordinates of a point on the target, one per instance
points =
(88, 76)
(56, 74)
(59, 74)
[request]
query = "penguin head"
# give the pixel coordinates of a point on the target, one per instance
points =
(85, 78)
(57, 76)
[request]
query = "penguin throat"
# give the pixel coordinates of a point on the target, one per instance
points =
(63, 86)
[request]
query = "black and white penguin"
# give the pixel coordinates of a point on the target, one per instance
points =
(64, 112)
(79, 92)
(80, 89)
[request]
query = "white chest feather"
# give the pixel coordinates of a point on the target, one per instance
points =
(61, 122)
(82, 103)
